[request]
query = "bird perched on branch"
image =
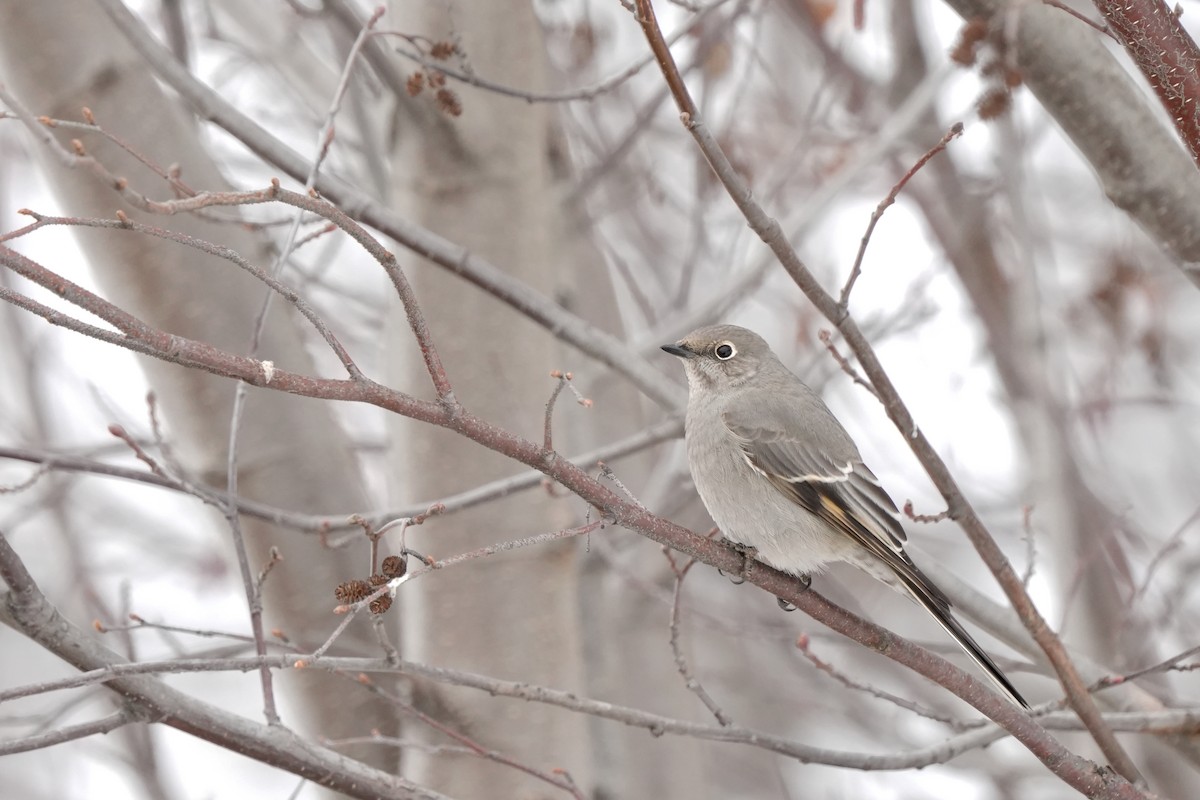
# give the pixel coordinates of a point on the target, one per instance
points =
(781, 476)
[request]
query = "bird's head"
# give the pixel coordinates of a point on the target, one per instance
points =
(721, 356)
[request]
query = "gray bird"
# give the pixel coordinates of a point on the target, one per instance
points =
(778, 473)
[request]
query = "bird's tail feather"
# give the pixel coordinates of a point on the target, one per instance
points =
(939, 607)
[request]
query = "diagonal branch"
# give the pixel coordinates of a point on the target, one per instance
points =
(960, 508)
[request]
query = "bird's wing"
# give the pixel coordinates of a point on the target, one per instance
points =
(840, 490)
(843, 492)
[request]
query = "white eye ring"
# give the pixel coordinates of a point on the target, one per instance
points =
(725, 351)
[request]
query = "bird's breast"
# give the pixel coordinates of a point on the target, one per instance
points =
(748, 509)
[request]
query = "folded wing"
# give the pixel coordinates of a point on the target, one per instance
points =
(843, 492)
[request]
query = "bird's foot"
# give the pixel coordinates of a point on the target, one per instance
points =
(748, 554)
(787, 605)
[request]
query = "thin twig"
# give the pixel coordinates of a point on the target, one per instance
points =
(67, 734)
(254, 600)
(1031, 548)
(547, 437)
(528, 541)
(142, 455)
(955, 131)
(1099, 26)
(1162, 666)
(827, 339)
(681, 664)
(559, 778)
(123, 223)
(607, 474)
(802, 644)
(274, 556)
(1170, 545)
(927, 519)
(1153, 722)
(325, 523)
(564, 382)
(390, 653)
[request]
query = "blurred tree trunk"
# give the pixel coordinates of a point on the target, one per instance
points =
(484, 180)
(61, 55)
(492, 180)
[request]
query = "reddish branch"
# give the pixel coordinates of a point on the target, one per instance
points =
(1165, 54)
(136, 335)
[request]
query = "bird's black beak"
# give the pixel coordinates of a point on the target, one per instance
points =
(677, 350)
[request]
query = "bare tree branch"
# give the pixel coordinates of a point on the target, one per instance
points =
(67, 734)
(960, 508)
(573, 329)
(28, 610)
(330, 522)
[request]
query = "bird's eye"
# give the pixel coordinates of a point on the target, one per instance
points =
(725, 351)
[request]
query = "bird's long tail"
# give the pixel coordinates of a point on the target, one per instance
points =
(936, 603)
